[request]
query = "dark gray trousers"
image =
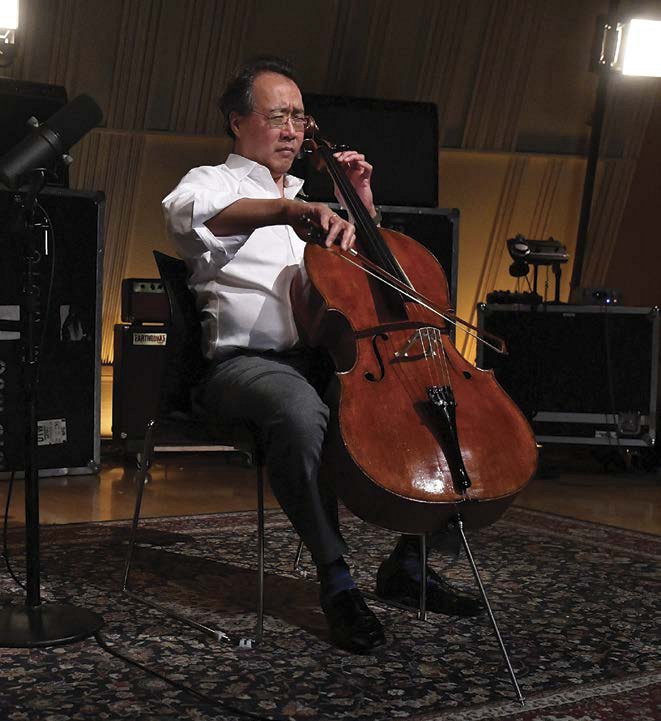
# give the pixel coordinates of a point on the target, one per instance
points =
(273, 394)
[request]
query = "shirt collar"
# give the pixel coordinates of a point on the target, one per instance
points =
(243, 167)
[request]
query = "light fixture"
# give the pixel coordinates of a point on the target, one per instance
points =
(631, 47)
(9, 14)
(8, 27)
(638, 50)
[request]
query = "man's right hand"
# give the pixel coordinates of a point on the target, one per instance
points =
(313, 222)
(317, 223)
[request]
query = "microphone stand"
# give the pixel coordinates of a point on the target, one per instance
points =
(36, 623)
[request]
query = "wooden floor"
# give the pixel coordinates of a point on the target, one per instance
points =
(570, 482)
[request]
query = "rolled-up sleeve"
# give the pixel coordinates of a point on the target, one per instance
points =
(201, 194)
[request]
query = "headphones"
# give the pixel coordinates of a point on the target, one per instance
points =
(519, 268)
(519, 249)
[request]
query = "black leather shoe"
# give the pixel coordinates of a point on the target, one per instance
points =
(393, 583)
(352, 625)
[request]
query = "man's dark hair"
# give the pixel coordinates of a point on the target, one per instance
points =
(237, 97)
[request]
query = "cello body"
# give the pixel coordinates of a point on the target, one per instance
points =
(390, 453)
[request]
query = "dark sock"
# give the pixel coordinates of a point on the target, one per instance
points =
(407, 554)
(334, 577)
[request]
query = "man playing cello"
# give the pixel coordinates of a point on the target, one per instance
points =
(242, 233)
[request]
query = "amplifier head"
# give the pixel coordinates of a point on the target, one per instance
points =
(144, 300)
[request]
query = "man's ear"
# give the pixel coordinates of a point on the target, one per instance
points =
(235, 121)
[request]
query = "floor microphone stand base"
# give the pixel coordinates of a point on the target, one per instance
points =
(48, 624)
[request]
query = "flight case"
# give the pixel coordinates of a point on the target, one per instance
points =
(582, 374)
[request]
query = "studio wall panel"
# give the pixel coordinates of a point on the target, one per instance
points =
(513, 31)
(506, 75)
(110, 161)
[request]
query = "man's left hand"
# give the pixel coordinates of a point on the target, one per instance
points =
(359, 173)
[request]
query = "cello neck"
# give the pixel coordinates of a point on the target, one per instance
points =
(374, 246)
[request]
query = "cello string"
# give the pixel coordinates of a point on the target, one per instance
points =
(437, 360)
(433, 369)
(377, 244)
(432, 333)
(428, 364)
(380, 274)
(414, 296)
(444, 357)
(376, 247)
(434, 353)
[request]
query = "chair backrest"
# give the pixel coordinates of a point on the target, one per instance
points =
(185, 362)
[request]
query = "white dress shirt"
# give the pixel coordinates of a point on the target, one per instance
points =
(241, 281)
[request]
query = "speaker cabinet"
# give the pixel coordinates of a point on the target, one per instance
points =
(138, 367)
(69, 241)
(582, 374)
(399, 138)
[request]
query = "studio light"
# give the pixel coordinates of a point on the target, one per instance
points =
(639, 48)
(9, 14)
(8, 27)
(631, 47)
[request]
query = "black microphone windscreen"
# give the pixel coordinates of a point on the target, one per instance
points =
(74, 120)
(49, 141)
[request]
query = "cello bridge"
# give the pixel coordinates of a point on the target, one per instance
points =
(428, 339)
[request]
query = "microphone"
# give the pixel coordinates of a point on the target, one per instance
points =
(50, 140)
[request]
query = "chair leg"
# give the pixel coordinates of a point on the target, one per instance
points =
(259, 630)
(243, 642)
(145, 462)
(297, 557)
(422, 609)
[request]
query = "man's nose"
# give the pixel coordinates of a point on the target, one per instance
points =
(288, 128)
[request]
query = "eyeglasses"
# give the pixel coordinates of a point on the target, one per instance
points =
(279, 120)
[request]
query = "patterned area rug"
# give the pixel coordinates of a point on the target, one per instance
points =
(577, 603)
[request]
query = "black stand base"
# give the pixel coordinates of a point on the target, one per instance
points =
(49, 624)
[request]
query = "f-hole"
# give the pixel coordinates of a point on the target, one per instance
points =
(382, 371)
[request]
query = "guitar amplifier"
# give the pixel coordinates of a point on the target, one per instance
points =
(144, 300)
(138, 368)
(585, 375)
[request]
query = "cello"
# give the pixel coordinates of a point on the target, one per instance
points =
(419, 439)
(421, 436)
